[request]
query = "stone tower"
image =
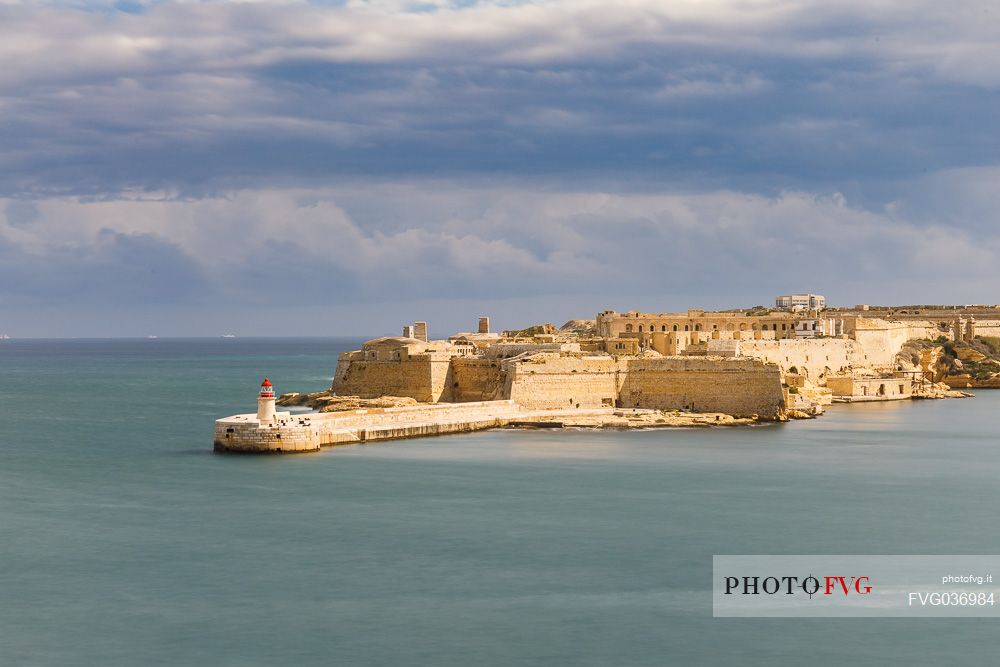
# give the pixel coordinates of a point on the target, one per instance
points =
(970, 329)
(265, 403)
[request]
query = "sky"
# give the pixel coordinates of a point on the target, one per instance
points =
(344, 168)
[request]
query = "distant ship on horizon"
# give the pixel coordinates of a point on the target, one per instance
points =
(229, 335)
(4, 337)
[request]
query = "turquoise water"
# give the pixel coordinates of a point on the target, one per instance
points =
(126, 541)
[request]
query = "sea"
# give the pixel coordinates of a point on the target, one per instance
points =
(125, 541)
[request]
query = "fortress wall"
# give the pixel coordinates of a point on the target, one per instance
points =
(988, 327)
(548, 381)
(811, 357)
(875, 345)
(474, 379)
(882, 340)
(739, 387)
(421, 377)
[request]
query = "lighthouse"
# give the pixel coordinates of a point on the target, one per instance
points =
(265, 403)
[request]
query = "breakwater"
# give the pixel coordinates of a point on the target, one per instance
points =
(289, 433)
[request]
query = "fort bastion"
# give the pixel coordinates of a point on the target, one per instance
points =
(757, 364)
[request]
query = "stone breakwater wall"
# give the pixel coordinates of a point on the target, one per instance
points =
(308, 432)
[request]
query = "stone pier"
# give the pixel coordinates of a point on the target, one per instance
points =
(307, 432)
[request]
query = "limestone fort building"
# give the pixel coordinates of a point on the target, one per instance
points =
(758, 364)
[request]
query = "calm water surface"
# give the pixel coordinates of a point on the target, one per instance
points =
(125, 541)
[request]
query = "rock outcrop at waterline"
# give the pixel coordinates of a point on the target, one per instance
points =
(327, 401)
(954, 364)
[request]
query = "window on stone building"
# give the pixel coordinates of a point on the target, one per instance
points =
(675, 327)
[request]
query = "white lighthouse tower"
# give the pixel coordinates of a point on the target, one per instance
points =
(265, 403)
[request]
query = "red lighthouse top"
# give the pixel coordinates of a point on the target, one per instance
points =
(265, 383)
(266, 391)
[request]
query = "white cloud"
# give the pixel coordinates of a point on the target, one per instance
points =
(489, 242)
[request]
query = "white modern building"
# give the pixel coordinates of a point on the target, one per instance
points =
(801, 301)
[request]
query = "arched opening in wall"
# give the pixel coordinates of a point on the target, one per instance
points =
(784, 327)
(628, 328)
(675, 327)
(881, 390)
(686, 328)
(640, 328)
(663, 327)
(697, 327)
(743, 327)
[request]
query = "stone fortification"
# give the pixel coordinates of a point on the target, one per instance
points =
(396, 366)
(885, 338)
(812, 358)
(557, 381)
(506, 350)
(849, 389)
(475, 379)
(612, 324)
(738, 387)
(547, 377)
(871, 345)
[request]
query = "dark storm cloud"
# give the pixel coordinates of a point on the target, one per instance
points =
(771, 95)
(684, 154)
(115, 267)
